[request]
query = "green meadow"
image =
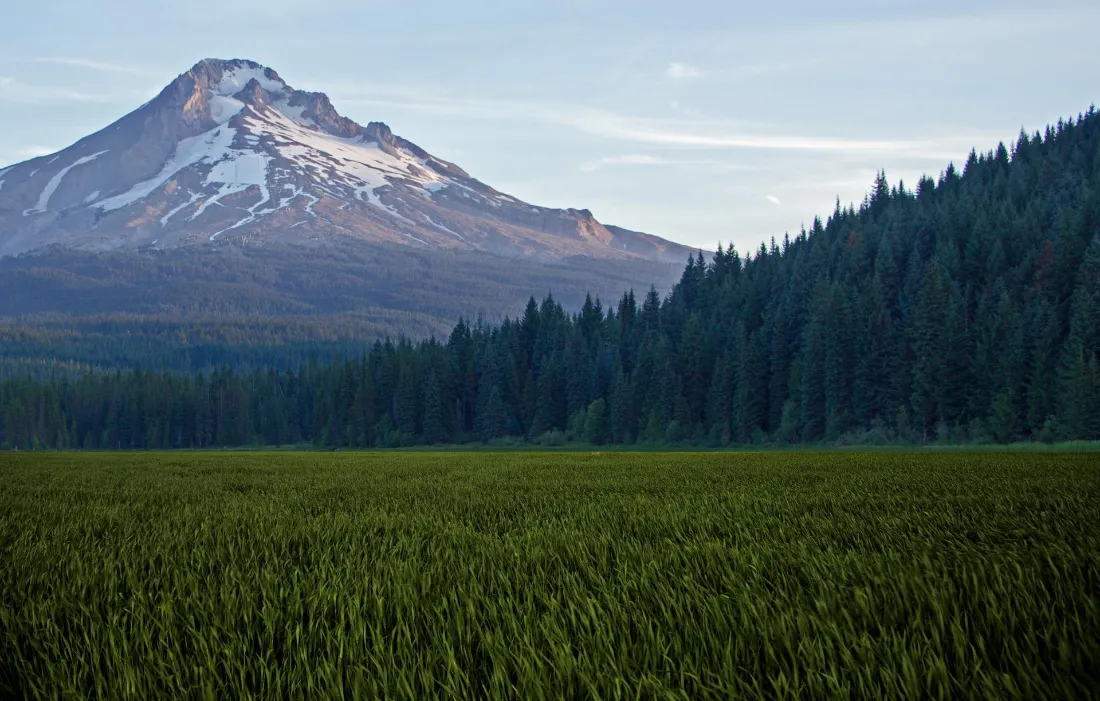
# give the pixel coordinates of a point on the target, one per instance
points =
(550, 575)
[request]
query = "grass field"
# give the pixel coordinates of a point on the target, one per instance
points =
(511, 575)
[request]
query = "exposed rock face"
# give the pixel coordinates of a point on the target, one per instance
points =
(229, 151)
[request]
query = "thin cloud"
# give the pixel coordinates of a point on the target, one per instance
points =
(716, 136)
(12, 90)
(644, 159)
(773, 199)
(14, 156)
(34, 151)
(92, 65)
(680, 71)
(679, 133)
(632, 159)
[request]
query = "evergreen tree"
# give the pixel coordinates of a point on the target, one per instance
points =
(595, 423)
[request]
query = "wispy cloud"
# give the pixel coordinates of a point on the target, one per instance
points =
(33, 151)
(10, 156)
(93, 65)
(773, 199)
(670, 133)
(645, 159)
(630, 159)
(12, 90)
(715, 136)
(679, 71)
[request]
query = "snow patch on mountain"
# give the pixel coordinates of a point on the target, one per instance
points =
(237, 173)
(240, 168)
(222, 108)
(204, 148)
(234, 80)
(195, 196)
(295, 114)
(224, 190)
(355, 165)
(51, 186)
(441, 227)
(313, 199)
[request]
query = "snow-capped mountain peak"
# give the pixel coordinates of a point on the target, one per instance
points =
(235, 75)
(230, 150)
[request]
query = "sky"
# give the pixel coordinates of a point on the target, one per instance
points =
(702, 122)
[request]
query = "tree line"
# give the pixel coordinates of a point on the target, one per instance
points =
(964, 309)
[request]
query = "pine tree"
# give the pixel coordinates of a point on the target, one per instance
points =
(595, 423)
(491, 419)
(929, 348)
(435, 427)
(1080, 382)
(16, 431)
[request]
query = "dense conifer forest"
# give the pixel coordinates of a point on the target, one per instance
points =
(963, 308)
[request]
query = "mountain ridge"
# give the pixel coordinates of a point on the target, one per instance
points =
(228, 150)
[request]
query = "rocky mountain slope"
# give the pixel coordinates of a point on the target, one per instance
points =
(229, 151)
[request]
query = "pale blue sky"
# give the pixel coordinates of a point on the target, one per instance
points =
(698, 121)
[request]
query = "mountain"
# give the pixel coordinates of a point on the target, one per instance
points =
(229, 151)
(234, 216)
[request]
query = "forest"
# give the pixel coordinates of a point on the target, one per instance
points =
(963, 309)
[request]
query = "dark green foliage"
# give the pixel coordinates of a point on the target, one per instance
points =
(967, 310)
(512, 575)
(595, 423)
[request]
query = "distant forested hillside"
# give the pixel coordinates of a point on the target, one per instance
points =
(960, 308)
(268, 305)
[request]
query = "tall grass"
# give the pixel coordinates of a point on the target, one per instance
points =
(511, 575)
